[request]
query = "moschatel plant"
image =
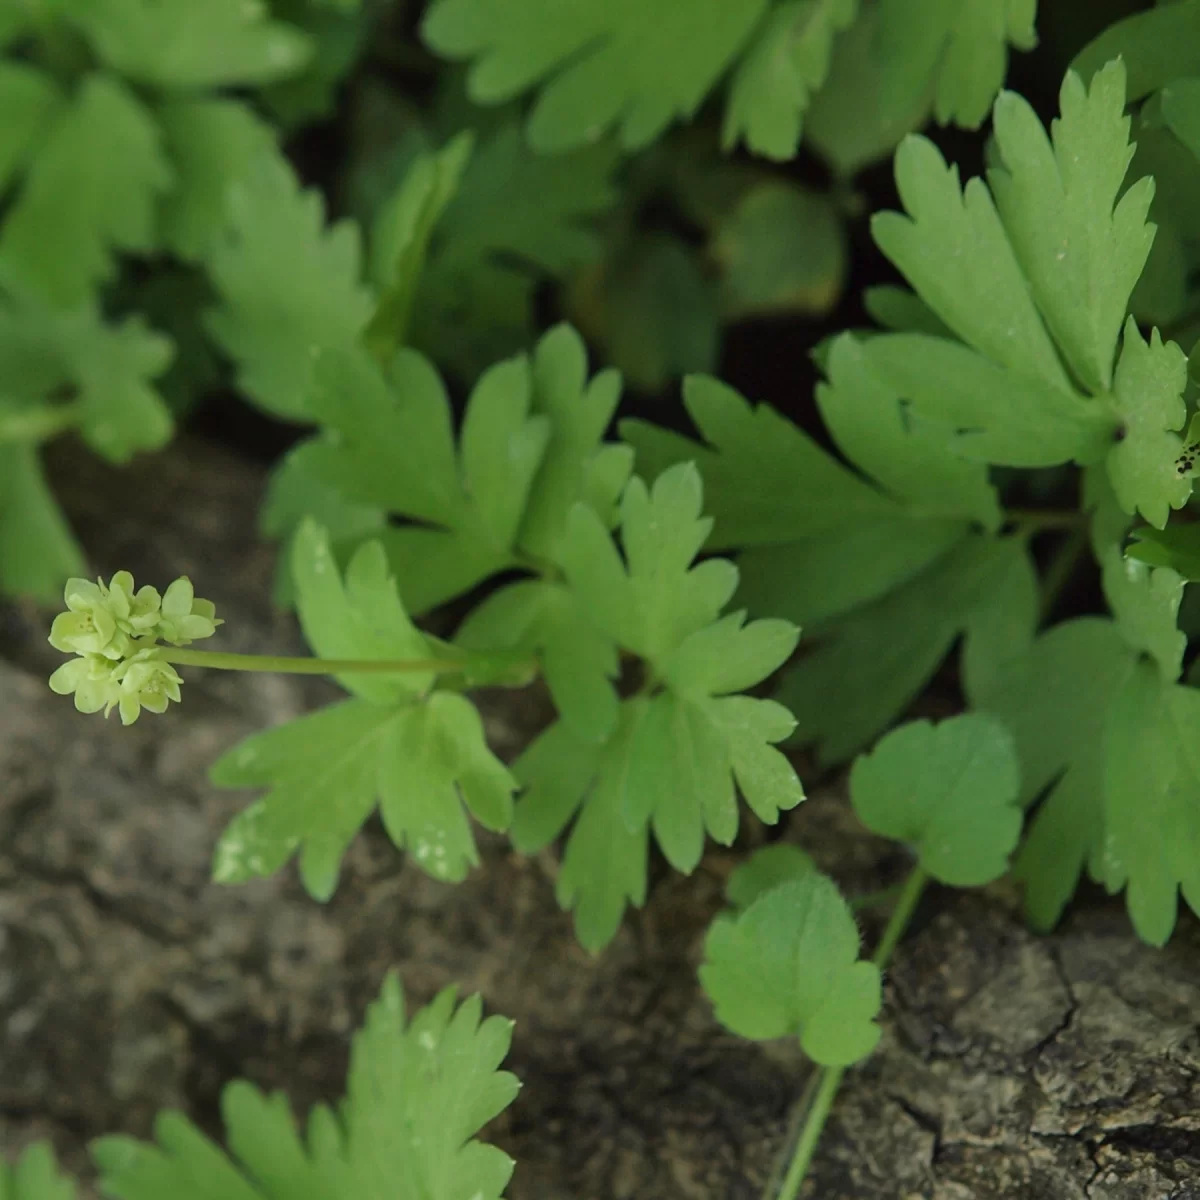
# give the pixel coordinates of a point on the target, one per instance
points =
(1016, 345)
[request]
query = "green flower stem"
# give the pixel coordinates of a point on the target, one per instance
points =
(282, 664)
(831, 1077)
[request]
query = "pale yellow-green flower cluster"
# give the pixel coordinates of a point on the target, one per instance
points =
(115, 632)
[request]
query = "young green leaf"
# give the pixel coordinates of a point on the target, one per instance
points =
(1055, 700)
(788, 965)
(578, 464)
(605, 863)
(92, 190)
(950, 790)
(287, 284)
(654, 599)
(324, 771)
(786, 63)
(607, 62)
(400, 240)
(395, 451)
(963, 44)
(187, 46)
(1080, 249)
(766, 869)
(209, 142)
(415, 1098)
(35, 1177)
(38, 552)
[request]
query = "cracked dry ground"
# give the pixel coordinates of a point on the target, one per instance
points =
(1011, 1067)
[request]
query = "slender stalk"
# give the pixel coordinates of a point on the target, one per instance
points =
(830, 1078)
(282, 664)
(1038, 520)
(823, 1097)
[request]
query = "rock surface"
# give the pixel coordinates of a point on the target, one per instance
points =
(1012, 1067)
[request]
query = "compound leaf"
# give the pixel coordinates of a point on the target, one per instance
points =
(601, 63)
(92, 190)
(415, 1098)
(1080, 249)
(788, 965)
(287, 283)
(786, 63)
(187, 46)
(950, 790)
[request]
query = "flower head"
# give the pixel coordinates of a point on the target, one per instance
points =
(114, 630)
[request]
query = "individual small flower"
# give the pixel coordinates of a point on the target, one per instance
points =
(109, 620)
(144, 681)
(184, 618)
(91, 678)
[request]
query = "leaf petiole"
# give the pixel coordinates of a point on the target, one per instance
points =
(820, 1099)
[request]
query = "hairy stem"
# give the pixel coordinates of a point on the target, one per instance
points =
(830, 1078)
